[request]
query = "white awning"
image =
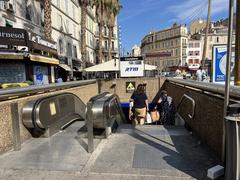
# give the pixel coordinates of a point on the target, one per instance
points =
(66, 67)
(113, 65)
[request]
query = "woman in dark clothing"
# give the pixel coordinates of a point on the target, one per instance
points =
(140, 104)
(166, 109)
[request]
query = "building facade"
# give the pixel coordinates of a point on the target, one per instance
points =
(218, 35)
(114, 43)
(66, 17)
(197, 26)
(136, 51)
(194, 53)
(25, 54)
(166, 48)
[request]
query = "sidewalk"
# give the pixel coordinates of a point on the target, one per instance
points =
(148, 152)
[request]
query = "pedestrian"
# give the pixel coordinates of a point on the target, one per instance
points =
(166, 108)
(140, 105)
(200, 74)
(59, 80)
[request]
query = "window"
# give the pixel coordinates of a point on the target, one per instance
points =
(190, 61)
(106, 45)
(197, 53)
(74, 31)
(1, 4)
(197, 44)
(190, 45)
(190, 53)
(60, 23)
(67, 26)
(105, 31)
(112, 45)
(66, 6)
(196, 61)
(60, 44)
(42, 15)
(75, 51)
(58, 3)
(29, 11)
(73, 11)
(217, 39)
(69, 49)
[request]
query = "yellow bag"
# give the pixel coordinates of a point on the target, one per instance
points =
(155, 116)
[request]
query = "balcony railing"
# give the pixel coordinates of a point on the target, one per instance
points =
(114, 36)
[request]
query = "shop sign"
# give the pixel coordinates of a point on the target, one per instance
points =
(20, 37)
(13, 36)
(219, 63)
(40, 43)
(130, 86)
(129, 67)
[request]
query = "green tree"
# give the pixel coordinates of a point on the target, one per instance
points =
(113, 8)
(84, 5)
(47, 19)
(100, 17)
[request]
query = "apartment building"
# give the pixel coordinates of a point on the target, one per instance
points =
(66, 15)
(114, 43)
(136, 51)
(25, 54)
(194, 54)
(218, 35)
(166, 48)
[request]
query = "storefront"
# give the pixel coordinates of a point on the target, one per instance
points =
(26, 56)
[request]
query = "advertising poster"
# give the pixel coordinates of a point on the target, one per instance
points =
(219, 64)
(131, 67)
(40, 75)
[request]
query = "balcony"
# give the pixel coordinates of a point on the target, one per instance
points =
(105, 35)
(184, 45)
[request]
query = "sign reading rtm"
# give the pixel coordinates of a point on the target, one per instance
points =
(131, 69)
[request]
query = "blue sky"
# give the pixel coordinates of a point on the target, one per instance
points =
(139, 17)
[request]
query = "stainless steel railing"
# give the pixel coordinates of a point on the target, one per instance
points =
(11, 93)
(190, 115)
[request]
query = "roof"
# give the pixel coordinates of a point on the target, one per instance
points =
(112, 65)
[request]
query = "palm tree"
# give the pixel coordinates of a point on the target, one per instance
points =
(100, 11)
(47, 19)
(113, 9)
(84, 4)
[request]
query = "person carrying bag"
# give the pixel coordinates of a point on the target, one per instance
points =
(155, 116)
(140, 104)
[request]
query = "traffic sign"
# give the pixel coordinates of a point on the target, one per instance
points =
(130, 87)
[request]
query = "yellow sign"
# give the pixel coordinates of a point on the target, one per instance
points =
(130, 86)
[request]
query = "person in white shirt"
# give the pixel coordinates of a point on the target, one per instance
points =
(200, 74)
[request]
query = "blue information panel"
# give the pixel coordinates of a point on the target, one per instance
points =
(219, 63)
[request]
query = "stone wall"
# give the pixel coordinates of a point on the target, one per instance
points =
(208, 120)
(6, 136)
(118, 86)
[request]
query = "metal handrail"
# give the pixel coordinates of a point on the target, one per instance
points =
(5, 94)
(209, 87)
(193, 105)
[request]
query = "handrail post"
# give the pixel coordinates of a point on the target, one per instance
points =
(16, 127)
(89, 119)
